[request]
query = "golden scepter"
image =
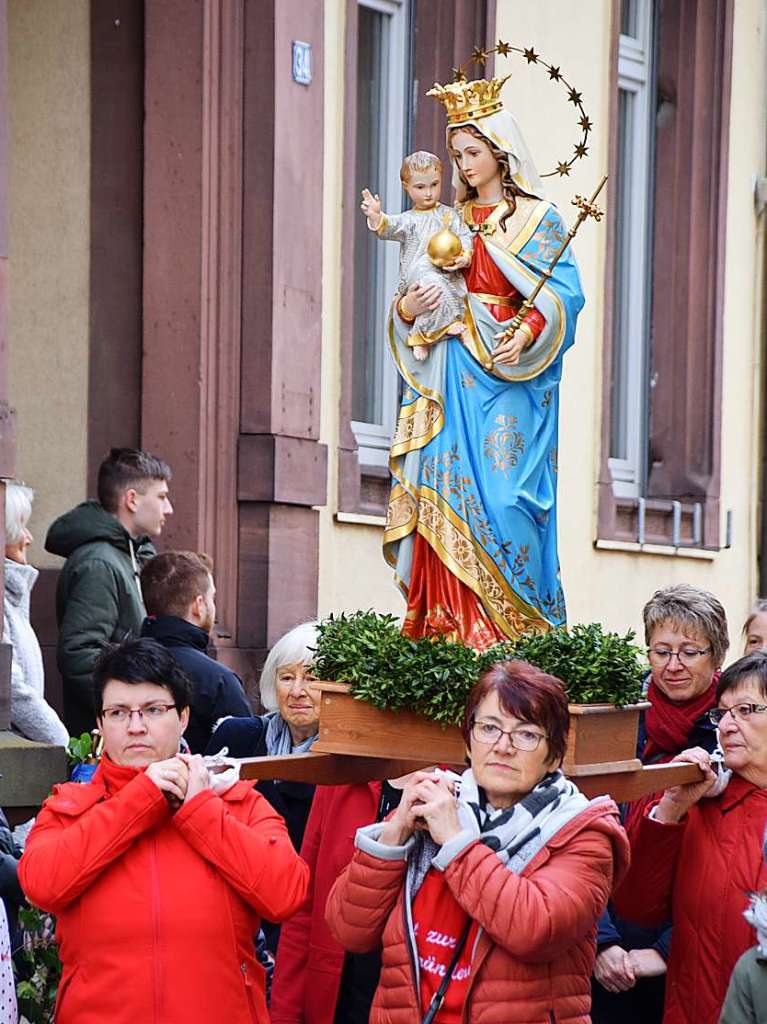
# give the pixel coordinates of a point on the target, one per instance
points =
(588, 209)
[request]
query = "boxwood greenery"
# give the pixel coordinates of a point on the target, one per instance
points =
(434, 676)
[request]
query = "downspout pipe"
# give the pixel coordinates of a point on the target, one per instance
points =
(760, 198)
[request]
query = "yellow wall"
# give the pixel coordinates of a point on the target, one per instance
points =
(49, 43)
(610, 586)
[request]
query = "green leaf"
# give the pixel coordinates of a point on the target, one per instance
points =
(434, 676)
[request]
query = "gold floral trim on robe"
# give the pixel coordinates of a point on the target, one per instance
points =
(451, 538)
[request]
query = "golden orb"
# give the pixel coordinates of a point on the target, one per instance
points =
(444, 247)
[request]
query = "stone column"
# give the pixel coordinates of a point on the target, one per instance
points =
(232, 302)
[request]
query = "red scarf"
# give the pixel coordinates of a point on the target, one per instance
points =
(669, 725)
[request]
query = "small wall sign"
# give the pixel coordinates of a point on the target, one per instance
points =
(302, 62)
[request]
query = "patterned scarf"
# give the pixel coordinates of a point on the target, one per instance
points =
(278, 738)
(515, 834)
(669, 725)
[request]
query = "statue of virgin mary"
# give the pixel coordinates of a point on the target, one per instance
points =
(471, 529)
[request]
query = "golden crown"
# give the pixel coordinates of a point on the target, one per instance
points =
(475, 99)
(464, 100)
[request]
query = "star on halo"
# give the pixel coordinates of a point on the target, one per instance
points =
(479, 56)
(585, 124)
(531, 56)
(581, 150)
(563, 169)
(574, 97)
(502, 49)
(554, 74)
(459, 73)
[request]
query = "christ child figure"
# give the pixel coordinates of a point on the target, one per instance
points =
(421, 176)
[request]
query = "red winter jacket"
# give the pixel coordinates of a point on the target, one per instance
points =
(699, 874)
(307, 974)
(157, 912)
(535, 953)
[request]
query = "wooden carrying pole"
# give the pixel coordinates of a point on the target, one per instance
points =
(361, 743)
(338, 769)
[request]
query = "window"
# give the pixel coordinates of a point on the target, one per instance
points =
(633, 248)
(661, 446)
(382, 72)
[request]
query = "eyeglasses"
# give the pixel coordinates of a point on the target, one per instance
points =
(738, 711)
(146, 713)
(686, 655)
(490, 734)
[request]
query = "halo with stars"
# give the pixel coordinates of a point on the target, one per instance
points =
(580, 150)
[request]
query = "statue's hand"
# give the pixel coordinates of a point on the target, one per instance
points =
(464, 260)
(422, 298)
(371, 207)
(511, 348)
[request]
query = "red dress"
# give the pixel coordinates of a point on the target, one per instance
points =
(438, 602)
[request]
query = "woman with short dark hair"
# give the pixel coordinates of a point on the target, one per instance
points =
(158, 870)
(695, 861)
(484, 891)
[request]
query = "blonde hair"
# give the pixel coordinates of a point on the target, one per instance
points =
(296, 647)
(418, 161)
(18, 509)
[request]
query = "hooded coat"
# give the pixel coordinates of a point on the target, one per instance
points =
(98, 598)
(535, 951)
(31, 714)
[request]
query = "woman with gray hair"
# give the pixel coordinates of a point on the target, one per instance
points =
(288, 727)
(31, 715)
(687, 639)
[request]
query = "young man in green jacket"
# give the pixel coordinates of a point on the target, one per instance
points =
(105, 543)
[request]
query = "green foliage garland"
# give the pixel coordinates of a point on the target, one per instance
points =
(434, 676)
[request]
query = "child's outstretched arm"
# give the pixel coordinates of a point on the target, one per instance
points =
(371, 207)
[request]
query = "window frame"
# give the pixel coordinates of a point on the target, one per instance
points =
(374, 436)
(441, 33)
(680, 504)
(632, 262)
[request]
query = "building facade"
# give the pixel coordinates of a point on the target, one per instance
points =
(189, 272)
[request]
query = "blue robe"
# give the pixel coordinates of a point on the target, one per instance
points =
(474, 455)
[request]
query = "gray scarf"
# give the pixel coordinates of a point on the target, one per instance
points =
(278, 738)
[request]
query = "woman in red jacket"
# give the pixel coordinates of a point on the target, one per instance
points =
(696, 860)
(315, 981)
(158, 882)
(485, 892)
